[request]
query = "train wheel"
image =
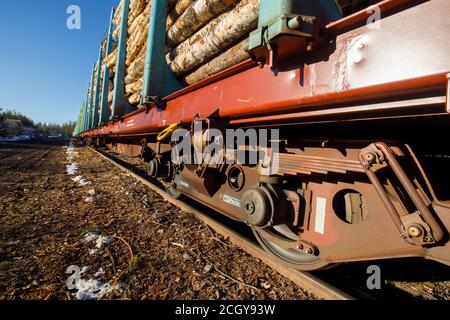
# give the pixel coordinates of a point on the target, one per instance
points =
(288, 255)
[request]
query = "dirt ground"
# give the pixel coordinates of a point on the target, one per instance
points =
(74, 227)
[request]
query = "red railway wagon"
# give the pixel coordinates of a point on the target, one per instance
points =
(358, 107)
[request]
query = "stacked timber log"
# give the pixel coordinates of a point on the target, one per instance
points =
(204, 37)
(202, 47)
(138, 21)
(95, 84)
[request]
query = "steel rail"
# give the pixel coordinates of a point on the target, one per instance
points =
(305, 280)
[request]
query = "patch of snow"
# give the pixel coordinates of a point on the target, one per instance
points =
(77, 178)
(83, 182)
(71, 155)
(88, 237)
(72, 168)
(92, 289)
(99, 272)
(101, 240)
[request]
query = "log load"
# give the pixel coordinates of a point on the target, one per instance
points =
(195, 16)
(228, 59)
(204, 37)
(217, 37)
(138, 22)
(179, 9)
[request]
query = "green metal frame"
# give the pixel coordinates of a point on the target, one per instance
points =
(95, 107)
(290, 18)
(105, 112)
(80, 124)
(120, 104)
(90, 97)
(86, 114)
(158, 79)
(84, 127)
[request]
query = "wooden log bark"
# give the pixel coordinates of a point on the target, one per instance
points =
(171, 18)
(229, 58)
(137, 7)
(136, 43)
(132, 88)
(179, 9)
(199, 35)
(182, 6)
(139, 22)
(135, 98)
(135, 48)
(237, 23)
(137, 33)
(199, 13)
(95, 80)
(118, 14)
(136, 70)
(110, 97)
(110, 90)
(100, 91)
(111, 60)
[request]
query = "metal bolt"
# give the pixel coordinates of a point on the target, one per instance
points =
(370, 157)
(249, 207)
(414, 231)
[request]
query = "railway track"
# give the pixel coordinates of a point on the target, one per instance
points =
(305, 280)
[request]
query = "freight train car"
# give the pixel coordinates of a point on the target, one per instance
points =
(321, 124)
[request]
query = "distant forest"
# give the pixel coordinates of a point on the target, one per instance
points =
(42, 128)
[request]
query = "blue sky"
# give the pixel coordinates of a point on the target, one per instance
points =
(44, 67)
